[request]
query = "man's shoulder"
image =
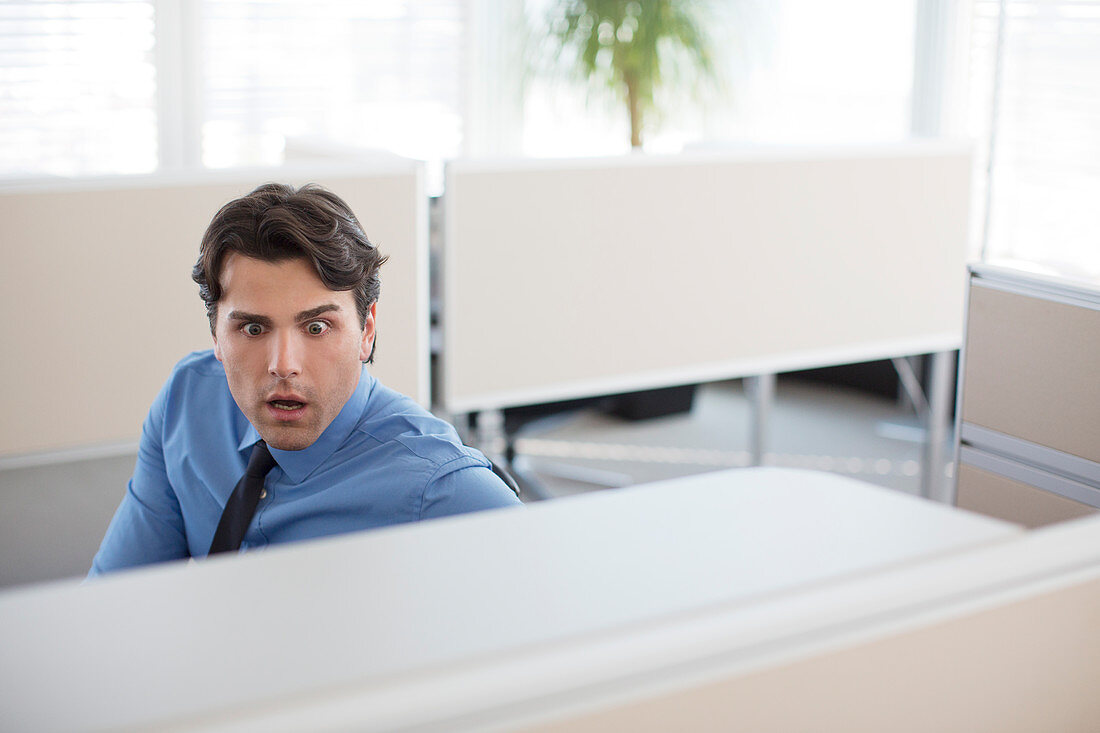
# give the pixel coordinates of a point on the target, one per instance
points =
(199, 363)
(394, 419)
(197, 381)
(195, 406)
(419, 460)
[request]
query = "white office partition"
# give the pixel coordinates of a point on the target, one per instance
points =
(704, 603)
(99, 303)
(584, 277)
(438, 626)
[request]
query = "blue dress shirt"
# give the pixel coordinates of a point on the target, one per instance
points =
(383, 460)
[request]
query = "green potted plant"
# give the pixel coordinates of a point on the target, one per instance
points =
(633, 46)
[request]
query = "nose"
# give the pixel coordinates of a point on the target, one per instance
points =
(286, 356)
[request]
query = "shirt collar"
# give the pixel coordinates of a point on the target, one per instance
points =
(298, 464)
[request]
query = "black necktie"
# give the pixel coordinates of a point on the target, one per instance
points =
(242, 502)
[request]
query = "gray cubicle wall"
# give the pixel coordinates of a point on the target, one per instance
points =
(99, 303)
(582, 277)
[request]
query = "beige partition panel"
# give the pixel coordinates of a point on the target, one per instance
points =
(1032, 370)
(998, 496)
(1028, 439)
(1023, 667)
(99, 303)
(575, 278)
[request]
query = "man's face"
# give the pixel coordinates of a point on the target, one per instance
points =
(292, 348)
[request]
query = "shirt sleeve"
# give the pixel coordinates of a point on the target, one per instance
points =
(467, 489)
(148, 525)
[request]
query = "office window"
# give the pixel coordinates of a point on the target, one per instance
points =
(77, 88)
(383, 75)
(795, 71)
(132, 85)
(1042, 83)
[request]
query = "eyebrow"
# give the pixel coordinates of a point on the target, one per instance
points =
(314, 312)
(249, 317)
(305, 315)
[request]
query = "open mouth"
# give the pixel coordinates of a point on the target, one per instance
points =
(286, 405)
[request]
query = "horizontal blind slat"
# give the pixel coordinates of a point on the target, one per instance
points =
(1047, 159)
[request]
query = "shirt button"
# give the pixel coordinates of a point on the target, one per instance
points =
(263, 493)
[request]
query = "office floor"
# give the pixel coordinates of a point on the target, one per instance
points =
(48, 530)
(812, 425)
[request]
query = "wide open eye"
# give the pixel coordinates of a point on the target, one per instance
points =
(316, 328)
(252, 329)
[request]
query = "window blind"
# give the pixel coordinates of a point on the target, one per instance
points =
(1043, 129)
(386, 74)
(77, 88)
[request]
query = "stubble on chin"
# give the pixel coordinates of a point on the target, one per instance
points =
(279, 439)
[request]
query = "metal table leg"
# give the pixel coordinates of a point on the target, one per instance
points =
(761, 392)
(934, 484)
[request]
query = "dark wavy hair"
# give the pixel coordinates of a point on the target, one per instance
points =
(276, 222)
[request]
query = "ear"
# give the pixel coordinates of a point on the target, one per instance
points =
(366, 346)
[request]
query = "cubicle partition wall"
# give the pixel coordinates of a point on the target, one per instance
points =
(99, 303)
(1029, 426)
(574, 278)
(703, 603)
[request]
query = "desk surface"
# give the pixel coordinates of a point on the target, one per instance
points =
(215, 642)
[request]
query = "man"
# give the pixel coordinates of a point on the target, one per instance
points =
(291, 284)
